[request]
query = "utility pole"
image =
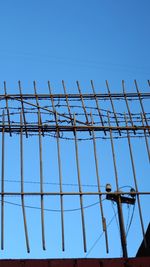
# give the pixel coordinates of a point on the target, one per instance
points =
(119, 199)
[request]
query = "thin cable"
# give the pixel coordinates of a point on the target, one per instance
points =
(52, 183)
(130, 221)
(115, 213)
(128, 217)
(97, 240)
(53, 210)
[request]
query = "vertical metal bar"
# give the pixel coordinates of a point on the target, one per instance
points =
(80, 188)
(59, 166)
(127, 105)
(60, 182)
(141, 103)
(8, 114)
(83, 105)
(41, 182)
(22, 184)
(67, 101)
(2, 182)
(113, 107)
(99, 189)
(38, 106)
(146, 139)
(113, 153)
(22, 105)
(135, 182)
(52, 101)
(97, 105)
(148, 82)
(119, 204)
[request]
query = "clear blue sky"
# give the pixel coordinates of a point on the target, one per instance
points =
(72, 40)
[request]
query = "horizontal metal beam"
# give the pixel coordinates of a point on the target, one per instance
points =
(69, 193)
(75, 96)
(71, 128)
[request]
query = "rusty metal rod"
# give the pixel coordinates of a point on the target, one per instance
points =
(97, 105)
(53, 103)
(77, 96)
(99, 190)
(2, 183)
(112, 105)
(72, 193)
(22, 105)
(38, 107)
(135, 183)
(119, 204)
(146, 139)
(66, 128)
(80, 189)
(141, 103)
(59, 167)
(61, 191)
(113, 154)
(8, 114)
(127, 105)
(41, 183)
(82, 101)
(67, 101)
(22, 186)
(83, 105)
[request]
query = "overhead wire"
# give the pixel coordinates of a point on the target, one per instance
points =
(130, 223)
(53, 210)
(128, 218)
(99, 237)
(115, 213)
(50, 183)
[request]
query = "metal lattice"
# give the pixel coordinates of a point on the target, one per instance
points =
(119, 119)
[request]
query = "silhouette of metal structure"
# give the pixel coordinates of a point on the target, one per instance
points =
(77, 117)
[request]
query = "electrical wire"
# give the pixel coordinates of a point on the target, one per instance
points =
(53, 210)
(128, 217)
(115, 213)
(51, 183)
(100, 236)
(127, 232)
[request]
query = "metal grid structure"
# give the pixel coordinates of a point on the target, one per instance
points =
(114, 118)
